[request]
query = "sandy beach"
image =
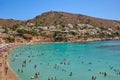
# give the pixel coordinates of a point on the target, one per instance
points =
(6, 72)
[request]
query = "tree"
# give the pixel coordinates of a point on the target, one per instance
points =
(32, 32)
(14, 27)
(22, 31)
(6, 31)
(10, 39)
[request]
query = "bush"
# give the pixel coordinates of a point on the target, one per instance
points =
(22, 31)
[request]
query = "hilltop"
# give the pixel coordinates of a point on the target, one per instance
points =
(53, 18)
(59, 26)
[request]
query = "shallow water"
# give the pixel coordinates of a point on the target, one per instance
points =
(57, 61)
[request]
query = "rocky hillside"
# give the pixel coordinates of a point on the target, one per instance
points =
(59, 26)
(54, 18)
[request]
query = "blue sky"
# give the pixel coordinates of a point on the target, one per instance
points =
(27, 9)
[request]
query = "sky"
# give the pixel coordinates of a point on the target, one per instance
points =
(28, 9)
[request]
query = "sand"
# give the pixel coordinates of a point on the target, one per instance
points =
(10, 75)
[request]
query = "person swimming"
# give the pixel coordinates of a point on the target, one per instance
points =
(94, 77)
(70, 74)
(105, 74)
(35, 66)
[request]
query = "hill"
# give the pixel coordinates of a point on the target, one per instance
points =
(54, 18)
(59, 26)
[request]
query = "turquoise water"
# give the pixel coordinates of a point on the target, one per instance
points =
(68, 61)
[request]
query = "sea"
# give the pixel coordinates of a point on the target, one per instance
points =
(99, 60)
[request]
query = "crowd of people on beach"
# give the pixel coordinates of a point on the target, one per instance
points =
(4, 66)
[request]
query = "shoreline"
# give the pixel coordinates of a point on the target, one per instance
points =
(11, 74)
(7, 73)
